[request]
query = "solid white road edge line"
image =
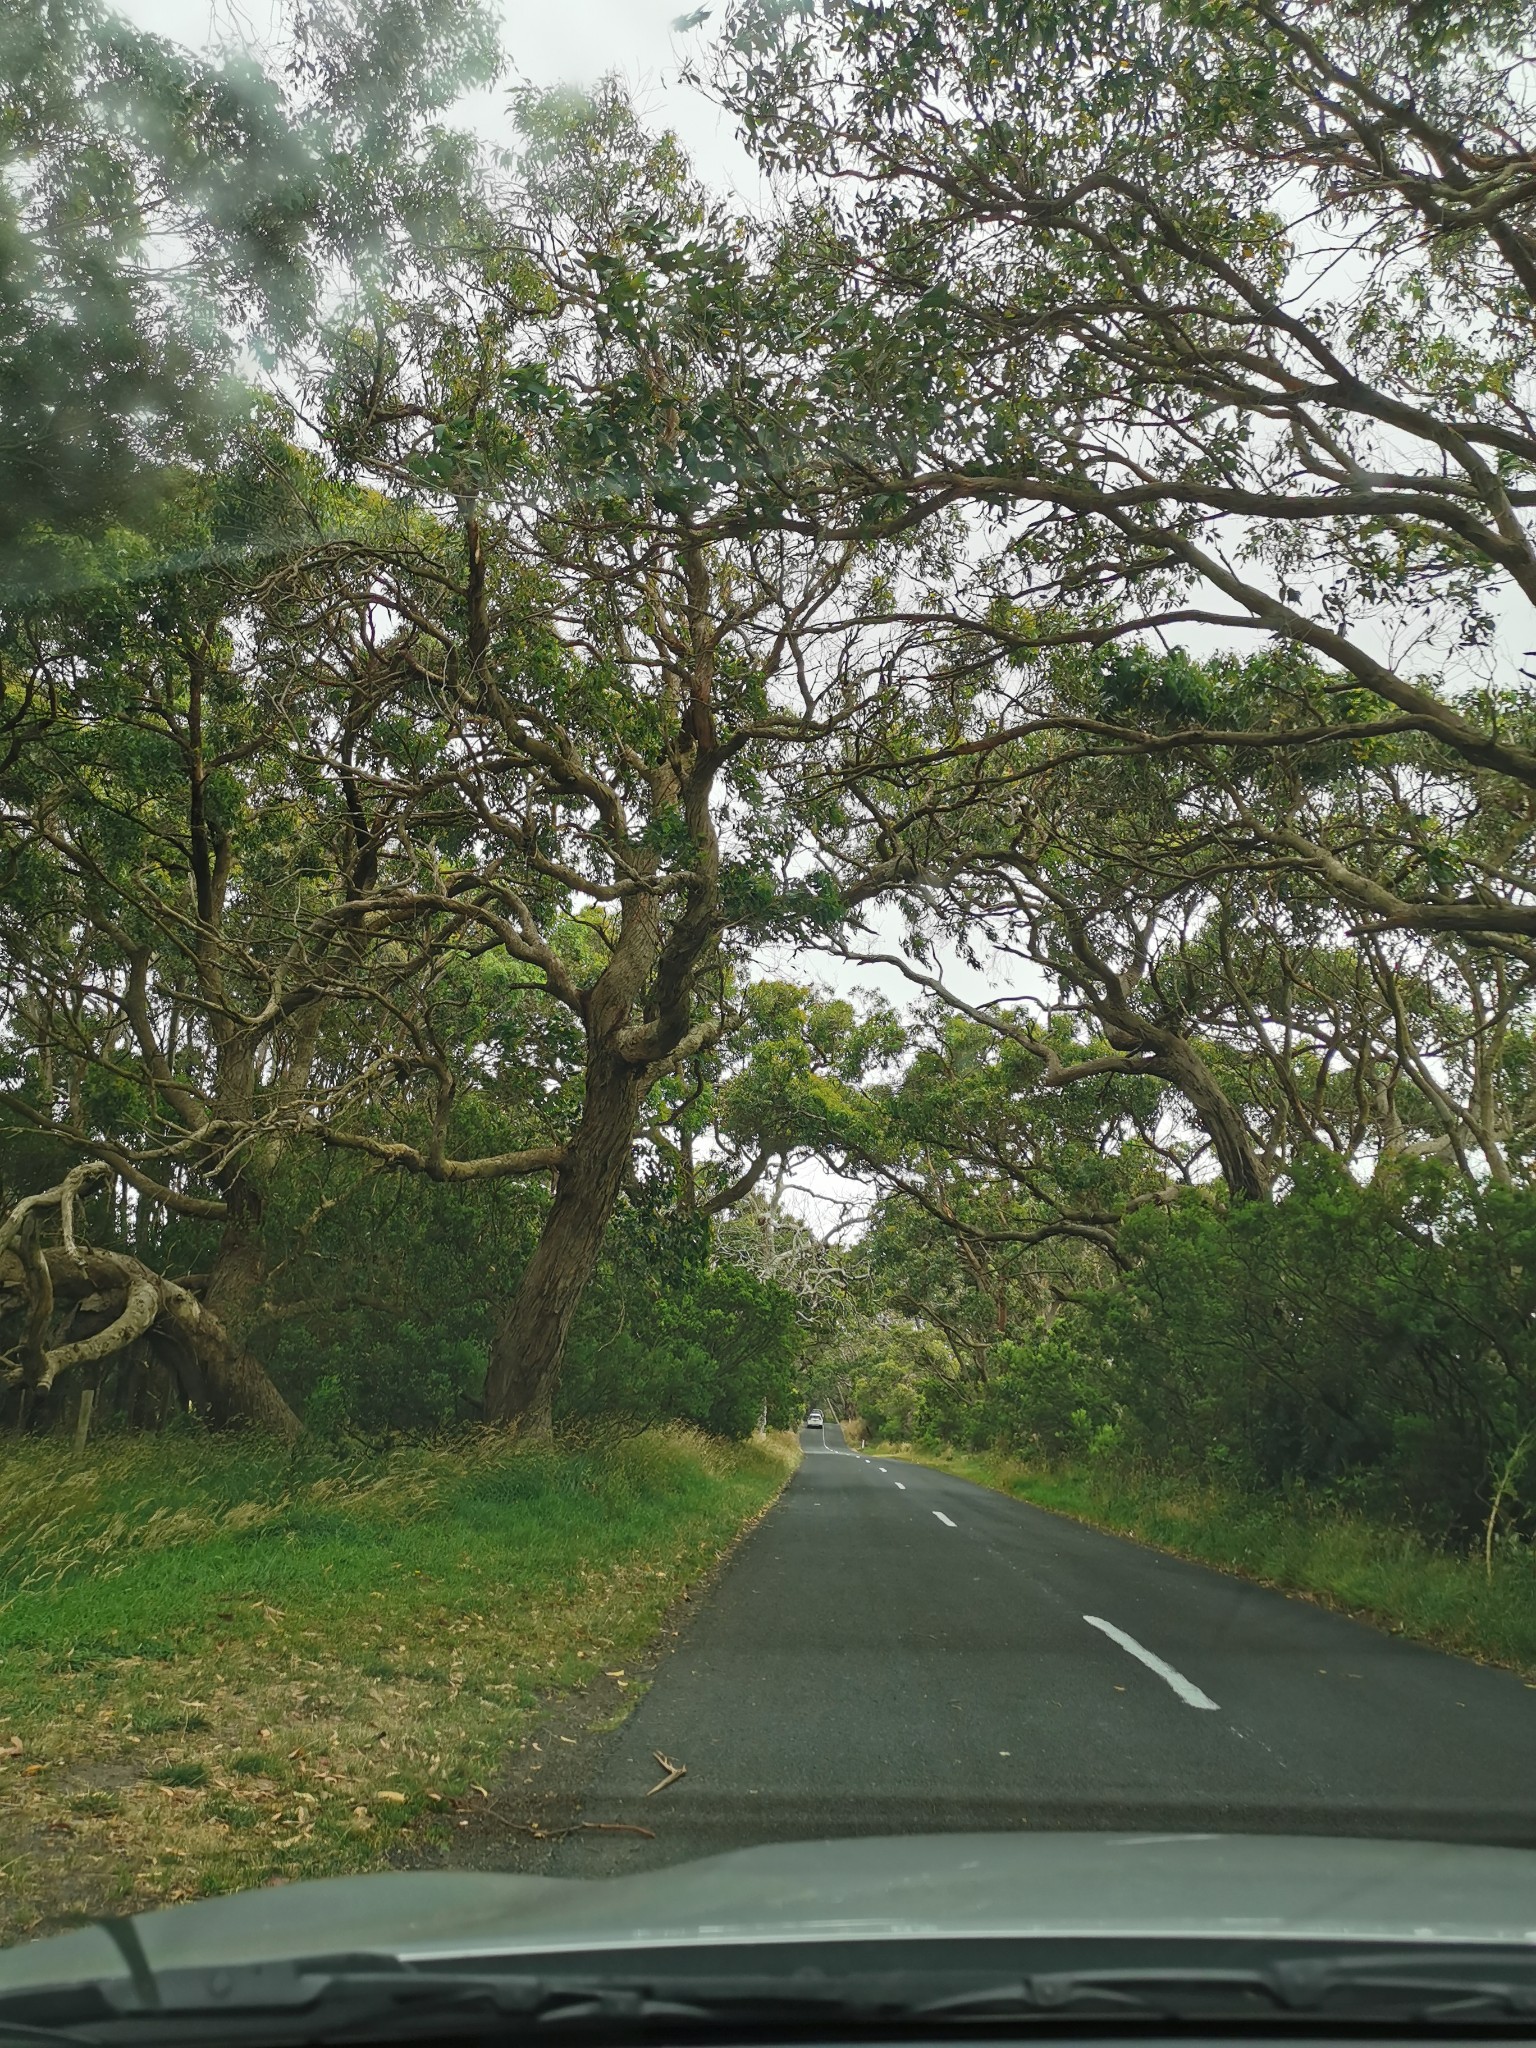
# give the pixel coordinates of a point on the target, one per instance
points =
(940, 1515)
(1191, 1695)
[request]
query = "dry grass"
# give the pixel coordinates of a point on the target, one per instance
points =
(222, 1668)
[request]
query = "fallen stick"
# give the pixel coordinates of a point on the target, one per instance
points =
(595, 1827)
(673, 1771)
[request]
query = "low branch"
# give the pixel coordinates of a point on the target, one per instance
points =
(410, 1159)
(738, 1189)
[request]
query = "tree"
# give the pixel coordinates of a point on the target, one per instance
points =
(631, 652)
(82, 1304)
(1219, 317)
(157, 208)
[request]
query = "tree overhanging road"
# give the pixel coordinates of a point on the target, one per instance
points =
(894, 1649)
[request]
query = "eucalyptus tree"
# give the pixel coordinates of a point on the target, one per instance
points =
(189, 794)
(1001, 1201)
(1175, 898)
(184, 912)
(632, 651)
(1220, 317)
(1001, 1192)
(159, 208)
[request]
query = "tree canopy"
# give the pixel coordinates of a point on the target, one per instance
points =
(499, 648)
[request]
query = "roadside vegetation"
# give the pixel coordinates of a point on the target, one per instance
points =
(221, 1666)
(1388, 1576)
(1370, 1344)
(1325, 1392)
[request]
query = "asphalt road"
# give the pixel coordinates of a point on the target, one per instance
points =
(893, 1649)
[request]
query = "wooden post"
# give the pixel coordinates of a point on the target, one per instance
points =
(83, 1418)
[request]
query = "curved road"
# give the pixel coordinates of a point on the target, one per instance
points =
(894, 1649)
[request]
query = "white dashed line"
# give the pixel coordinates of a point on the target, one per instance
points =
(939, 1512)
(899, 1487)
(882, 1468)
(1190, 1694)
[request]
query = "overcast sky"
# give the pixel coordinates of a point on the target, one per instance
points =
(559, 42)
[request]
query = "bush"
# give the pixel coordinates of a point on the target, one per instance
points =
(712, 1345)
(1369, 1344)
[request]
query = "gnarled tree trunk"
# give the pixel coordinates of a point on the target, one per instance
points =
(1170, 1055)
(110, 1301)
(1177, 1061)
(529, 1343)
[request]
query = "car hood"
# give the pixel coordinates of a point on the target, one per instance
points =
(912, 1886)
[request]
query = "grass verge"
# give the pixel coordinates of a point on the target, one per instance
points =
(221, 1666)
(1376, 1573)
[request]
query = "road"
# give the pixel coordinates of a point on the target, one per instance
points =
(895, 1649)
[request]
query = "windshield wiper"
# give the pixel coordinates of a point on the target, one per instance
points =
(1468, 1988)
(377, 1998)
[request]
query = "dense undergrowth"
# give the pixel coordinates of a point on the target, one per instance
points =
(1371, 1345)
(221, 1666)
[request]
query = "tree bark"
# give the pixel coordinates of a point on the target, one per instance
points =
(1169, 1055)
(1177, 1061)
(239, 1387)
(237, 1271)
(132, 1302)
(528, 1348)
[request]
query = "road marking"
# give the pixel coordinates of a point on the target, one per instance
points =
(939, 1512)
(901, 1489)
(882, 1468)
(1190, 1694)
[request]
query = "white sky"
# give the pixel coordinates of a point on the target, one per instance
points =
(562, 42)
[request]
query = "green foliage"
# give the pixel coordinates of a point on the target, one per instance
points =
(1371, 1343)
(384, 1293)
(1375, 1340)
(664, 1333)
(157, 208)
(384, 1289)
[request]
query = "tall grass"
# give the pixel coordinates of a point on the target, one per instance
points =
(221, 1664)
(1386, 1575)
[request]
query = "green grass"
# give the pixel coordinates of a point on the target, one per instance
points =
(1385, 1575)
(221, 1665)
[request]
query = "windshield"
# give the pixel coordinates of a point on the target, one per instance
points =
(767, 936)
